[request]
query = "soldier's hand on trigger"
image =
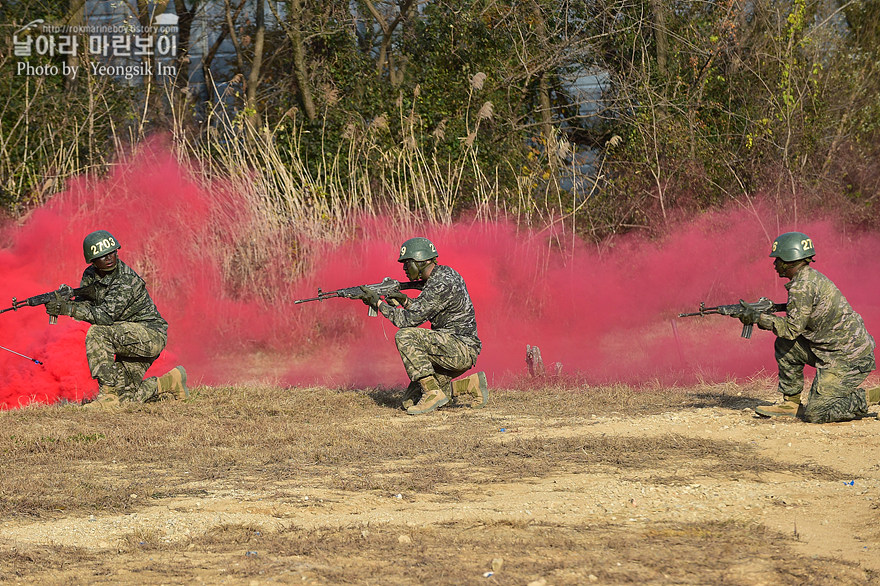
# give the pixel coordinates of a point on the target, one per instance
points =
(397, 298)
(370, 297)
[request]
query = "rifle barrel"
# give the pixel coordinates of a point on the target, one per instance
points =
(321, 297)
(15, 305)
(707, 311)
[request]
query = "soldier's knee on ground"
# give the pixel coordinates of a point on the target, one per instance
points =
(817, 416)
(822, 412)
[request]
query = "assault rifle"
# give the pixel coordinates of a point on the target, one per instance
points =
(64, 292)
(762, 305)
(388, 285)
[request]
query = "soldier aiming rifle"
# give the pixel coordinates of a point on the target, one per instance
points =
(819, 329)
(432, 358)
(127, 332)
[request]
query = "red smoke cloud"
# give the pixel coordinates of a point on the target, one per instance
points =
(606, 313)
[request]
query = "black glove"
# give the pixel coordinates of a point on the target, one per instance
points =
(749, 315)
(370, 297)
(399, 298)
(58, 306)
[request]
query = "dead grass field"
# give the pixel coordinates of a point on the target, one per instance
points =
(551, 485)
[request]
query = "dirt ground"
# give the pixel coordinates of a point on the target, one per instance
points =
(544, 486)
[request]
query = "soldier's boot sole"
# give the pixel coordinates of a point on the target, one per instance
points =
(429, 402)
(787, 409)
(475, 386)
(172, 384)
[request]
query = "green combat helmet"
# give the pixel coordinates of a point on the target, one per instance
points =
(417, 249)
(792, 246)
(99, 243)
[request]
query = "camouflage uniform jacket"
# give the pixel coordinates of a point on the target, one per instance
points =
(445, 302)
(120, 296)
(819, 312)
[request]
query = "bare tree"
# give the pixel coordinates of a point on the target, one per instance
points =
(253, 79)
(293, 30)
(388, 21)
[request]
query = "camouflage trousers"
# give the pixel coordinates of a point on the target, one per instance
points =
(835, 394)
(119, 356)
(429, 353)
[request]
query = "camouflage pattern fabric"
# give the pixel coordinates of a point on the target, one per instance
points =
(119, 356)
(120, 296)
(821, 329)
(127, 334)
(451, 346)
(428, 352)
(835, 394)
(445, 303)
(819, 312)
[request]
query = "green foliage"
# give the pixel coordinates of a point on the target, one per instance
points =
(51, 127)
(743, 91)
(706, 102)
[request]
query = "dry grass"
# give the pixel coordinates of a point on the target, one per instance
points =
(295, 206)
(561, 554)
(715, 553)
(63, 461)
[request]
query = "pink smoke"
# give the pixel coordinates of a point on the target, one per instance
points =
(606, 313)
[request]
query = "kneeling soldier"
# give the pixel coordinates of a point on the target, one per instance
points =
(434, 357)
(127, 333)
(822, 330)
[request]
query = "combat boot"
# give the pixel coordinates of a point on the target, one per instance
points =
(473, 386)
(872, 396)
(172, 385)
(432, 397)
(788, 408)
(412, 395)
(105, 400)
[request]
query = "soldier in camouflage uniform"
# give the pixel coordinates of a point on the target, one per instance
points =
(127, 334)
(822, 330)
(434, 357)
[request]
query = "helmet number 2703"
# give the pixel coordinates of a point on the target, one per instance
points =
(102, 245)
